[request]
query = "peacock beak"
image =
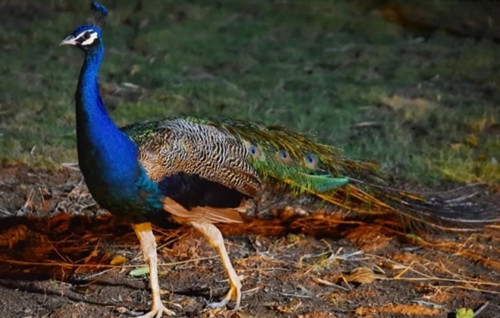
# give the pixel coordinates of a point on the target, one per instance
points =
(69, 40)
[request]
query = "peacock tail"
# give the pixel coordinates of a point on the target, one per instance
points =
(250, 157)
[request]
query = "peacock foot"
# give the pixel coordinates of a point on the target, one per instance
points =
(157, 311)
(234, 293)
(215, 239)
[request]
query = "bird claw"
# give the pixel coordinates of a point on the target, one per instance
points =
(157, 311)
(234, 293)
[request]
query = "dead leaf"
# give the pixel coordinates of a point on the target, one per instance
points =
(471, 140)
(290, 307)
(317, 314)
(480, 125)
(363, 275)
(118, 260)
(412, 109)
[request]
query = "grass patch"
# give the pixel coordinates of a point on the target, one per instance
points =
(319, 67)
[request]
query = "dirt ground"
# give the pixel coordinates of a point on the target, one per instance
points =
(80, 264)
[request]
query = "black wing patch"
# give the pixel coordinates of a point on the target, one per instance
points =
(191, 190)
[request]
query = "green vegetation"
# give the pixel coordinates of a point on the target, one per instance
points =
(465, 313)
(427, 111)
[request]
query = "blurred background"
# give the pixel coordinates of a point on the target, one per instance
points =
(414, 86)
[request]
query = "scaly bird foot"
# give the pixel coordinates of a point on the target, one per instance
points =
(148, 246)
(214, 238)
(157, 311)
(234, 293)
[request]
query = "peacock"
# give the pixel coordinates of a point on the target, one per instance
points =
(203, 172)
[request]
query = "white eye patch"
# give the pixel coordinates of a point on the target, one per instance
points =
(87, 38)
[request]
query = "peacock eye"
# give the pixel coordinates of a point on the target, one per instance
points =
(312, 160)
(86, 35)
(283, 156)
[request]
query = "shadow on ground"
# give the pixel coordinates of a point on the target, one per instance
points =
(79, 264)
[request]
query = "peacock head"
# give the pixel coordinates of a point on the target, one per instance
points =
(88, 37)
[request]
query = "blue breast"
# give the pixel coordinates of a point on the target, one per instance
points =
(108, 158)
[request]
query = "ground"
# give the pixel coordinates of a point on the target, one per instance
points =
(414, 87)
(86, 263)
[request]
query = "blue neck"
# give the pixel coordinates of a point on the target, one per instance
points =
(108, 158)
(90, 108)
(101, 144)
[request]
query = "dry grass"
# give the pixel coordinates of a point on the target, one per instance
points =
(310, 266)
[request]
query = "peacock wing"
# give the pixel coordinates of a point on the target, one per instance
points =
(187, 148)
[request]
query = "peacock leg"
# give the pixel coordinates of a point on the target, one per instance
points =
(148, 246)
(215, 239)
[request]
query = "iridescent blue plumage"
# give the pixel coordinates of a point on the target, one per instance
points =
(107, 156)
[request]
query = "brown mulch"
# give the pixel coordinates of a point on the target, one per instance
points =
(63, 256)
